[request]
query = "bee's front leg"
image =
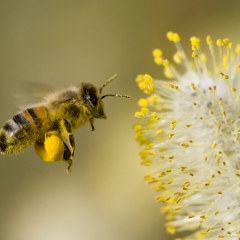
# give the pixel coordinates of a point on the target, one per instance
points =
(91, 120)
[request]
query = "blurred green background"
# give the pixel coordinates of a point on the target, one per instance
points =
(67, 42)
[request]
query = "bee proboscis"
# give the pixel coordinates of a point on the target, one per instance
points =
(49, 125)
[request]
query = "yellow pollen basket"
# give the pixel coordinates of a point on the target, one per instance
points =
(51, 150)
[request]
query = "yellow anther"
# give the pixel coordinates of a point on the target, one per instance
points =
(185, 145)
(226, 41)
(196, 42)
(142, 102)
(153, 99)
(139, 115)
(176, 37)
(168, 73)
(193, 86)
(159, 132)
(209, 40)
(170, 36)
(146, 163)
(170, 135)
(144, 154)
(150, 146)
(139, 78)
(203, 58)
(214, 145)
(237, 49)
(219, 43)
(188, 125)
(147, 78)
(233, 89)
(158, 61)
(225, 76)
(177, 57)
(230, 45)
(172, 85)
(194, 54)
(166, 63)
(155, 116)
(144, 110)
(137, 127)
(157, 52)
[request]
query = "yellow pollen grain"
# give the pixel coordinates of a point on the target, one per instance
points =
(188, 125)
(233, 89)
(191, 216)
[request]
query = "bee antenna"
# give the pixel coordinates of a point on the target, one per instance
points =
(107, 82)
(114, 95)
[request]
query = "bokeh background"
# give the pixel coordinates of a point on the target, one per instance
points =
(67, 42)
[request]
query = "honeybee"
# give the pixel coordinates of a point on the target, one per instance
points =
(49, 125)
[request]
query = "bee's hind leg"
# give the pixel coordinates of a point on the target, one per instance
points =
(67, 157)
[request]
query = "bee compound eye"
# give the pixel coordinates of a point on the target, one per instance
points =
(93, 99)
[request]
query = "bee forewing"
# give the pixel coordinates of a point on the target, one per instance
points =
(29, 94)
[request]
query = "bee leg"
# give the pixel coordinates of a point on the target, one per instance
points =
(91, 120)
(68, 134)
(68, 158)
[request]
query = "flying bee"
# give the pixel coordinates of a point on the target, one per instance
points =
(49, 125)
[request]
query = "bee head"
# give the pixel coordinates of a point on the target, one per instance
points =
(93, 98)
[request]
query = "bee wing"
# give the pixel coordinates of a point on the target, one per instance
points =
(30, 94)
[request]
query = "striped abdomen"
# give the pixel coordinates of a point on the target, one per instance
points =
(22, 130)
